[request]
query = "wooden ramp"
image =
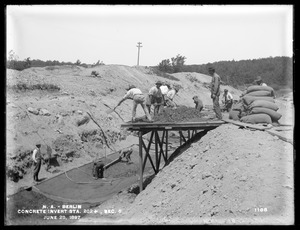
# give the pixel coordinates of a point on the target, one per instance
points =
(268, 128)
(159, 133)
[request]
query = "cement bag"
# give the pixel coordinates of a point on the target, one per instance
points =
(238, 106)
(234, 115)
(264, 104)
(273, 114)
(262, 93)
(249, 99)
(253, 88)
(257, 118)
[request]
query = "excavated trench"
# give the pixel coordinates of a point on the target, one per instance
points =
(77, 186)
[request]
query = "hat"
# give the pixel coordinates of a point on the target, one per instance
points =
(258, 79)
(130, 87)
(158, 83)
(38, 145)
(225, 90)
(195, 97)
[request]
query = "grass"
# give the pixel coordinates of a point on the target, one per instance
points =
(44, 86)
(163, 74)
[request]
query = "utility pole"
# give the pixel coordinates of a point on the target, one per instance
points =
(138, 46)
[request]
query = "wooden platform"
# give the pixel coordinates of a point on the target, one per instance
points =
(172, 126)
(159, 138)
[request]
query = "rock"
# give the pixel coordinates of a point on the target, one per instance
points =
(33, 110)
(44, 112)
(206, 174)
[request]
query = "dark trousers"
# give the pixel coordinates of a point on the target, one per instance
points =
(217, 108)
(36, 170)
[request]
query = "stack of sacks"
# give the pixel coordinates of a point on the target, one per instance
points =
(237, 111)
(260, 103)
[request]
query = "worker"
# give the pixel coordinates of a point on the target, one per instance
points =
(228, 100)
(170, 96)
(98, 169)
(198, 103)
(127, 154)
(215, 91)
(37, 160)
(164, 90)
(138, 98)
(155, 98)
(259, 81)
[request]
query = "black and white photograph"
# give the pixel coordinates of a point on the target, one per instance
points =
(149, 115)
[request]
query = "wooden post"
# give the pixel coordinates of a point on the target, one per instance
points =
(156, 152)
(167, 144)
(141, 160)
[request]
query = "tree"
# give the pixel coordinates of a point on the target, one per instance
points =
(27, 63)
(78, 62)
(178, 63)
(165, 66)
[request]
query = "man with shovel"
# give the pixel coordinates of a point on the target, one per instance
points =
(138, 97)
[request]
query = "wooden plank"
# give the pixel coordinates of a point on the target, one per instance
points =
(141, 161)
(274, 133)
(172, 126)
(246, 125)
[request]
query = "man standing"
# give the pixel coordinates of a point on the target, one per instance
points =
(37, 159)
(138, 97)
(228, 99)
(155, 98)
(164, 90)
(215, 91)
(198, 103)
(170, 96)
(259, 81)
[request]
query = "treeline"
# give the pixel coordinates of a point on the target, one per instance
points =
(27, 63)
(13, 62)
(275, 71)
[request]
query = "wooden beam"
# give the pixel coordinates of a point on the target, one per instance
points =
(141, 161)
(274, 133)
(246, 125)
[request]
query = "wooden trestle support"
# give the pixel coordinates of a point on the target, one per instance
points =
(159, 136)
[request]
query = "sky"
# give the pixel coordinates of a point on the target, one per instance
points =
(110, 33)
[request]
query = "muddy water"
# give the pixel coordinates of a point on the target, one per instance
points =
(75, 187)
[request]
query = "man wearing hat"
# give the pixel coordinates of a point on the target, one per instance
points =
(155, 98)
(215, 91)
(198, 103)
(138, 97)
(164, 90)
(228, 99)
(258, 81)
(37, 160)
(170, 96)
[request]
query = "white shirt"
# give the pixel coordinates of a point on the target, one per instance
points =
(263, 84)
(228, 96)
(171, 94)
(36, 155)
(130, 93)
(164, 89)
(154, 91)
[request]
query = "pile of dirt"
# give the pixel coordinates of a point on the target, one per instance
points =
(230, 176)
(180, 114)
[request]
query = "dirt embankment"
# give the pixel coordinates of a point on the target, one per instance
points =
(46, 104)
(231, 176)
